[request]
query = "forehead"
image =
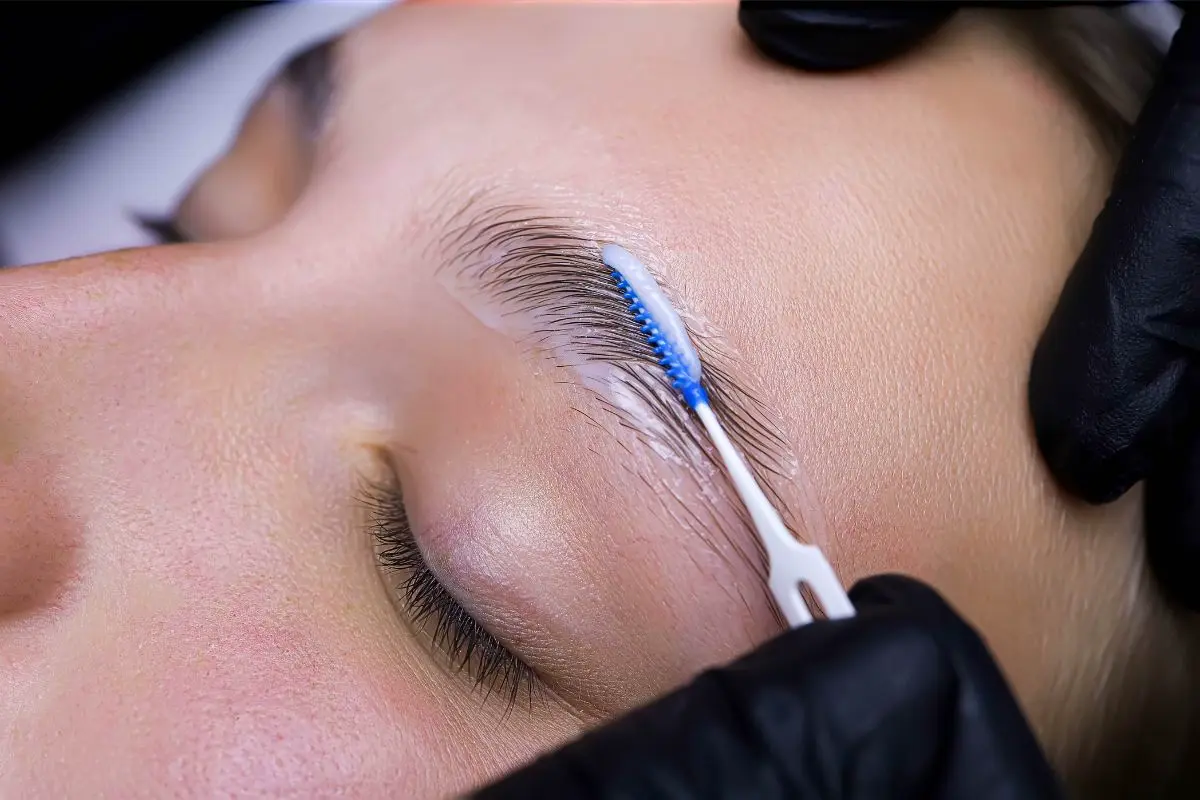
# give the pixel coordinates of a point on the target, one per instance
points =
(864, 241)
(753, 181)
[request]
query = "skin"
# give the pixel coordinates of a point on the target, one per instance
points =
(189, 602)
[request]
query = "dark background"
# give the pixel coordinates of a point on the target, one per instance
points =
(59, 60)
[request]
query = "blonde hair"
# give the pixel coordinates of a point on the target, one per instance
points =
(1145, 740)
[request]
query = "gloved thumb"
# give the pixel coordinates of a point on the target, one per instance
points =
(868, 707)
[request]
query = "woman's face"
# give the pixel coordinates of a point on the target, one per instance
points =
(370, 491)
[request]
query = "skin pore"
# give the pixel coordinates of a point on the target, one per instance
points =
(194, 439)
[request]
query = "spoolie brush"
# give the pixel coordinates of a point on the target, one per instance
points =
(791, 563)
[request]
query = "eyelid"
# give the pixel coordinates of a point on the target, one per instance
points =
(468, 646)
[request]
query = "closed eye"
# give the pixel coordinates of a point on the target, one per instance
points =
(467, 645)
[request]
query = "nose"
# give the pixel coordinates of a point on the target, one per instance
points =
(82, 377)
(151, 491)
(125, 381)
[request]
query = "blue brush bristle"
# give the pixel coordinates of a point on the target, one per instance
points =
(691, 390)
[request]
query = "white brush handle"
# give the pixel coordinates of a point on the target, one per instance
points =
(790, 562)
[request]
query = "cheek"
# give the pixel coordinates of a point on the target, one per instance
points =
(231, 704)
(236, 643)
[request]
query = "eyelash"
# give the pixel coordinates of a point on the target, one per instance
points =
(164, 230)
(469, 646)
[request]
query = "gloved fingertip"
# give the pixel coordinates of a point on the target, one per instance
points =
(1082, 452)
(1172, 522)
(836, 37)
(894, 591)
(1111, 375)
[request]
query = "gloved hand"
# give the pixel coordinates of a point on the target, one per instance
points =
(902, 701)
(1115, 384)
(838, 36)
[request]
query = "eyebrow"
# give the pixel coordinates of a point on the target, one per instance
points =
(312, 73)
(550, 268)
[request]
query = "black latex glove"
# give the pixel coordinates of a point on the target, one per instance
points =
(902, 701)
(1114, 390)
(830, 37)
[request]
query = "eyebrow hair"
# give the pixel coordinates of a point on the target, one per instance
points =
(550, 268)
(312, 73)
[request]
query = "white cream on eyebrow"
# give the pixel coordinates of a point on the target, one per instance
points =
(650, 294)
(531, 327)
(560, 346)
(563, 346)
(568, 343)
(608, 381)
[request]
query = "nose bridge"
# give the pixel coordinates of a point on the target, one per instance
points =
(79, 364)
(160, 455)
(57, 319)
(62, 327)
(93, 341)
(163, 400)
(93, 396)
(57, 322)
